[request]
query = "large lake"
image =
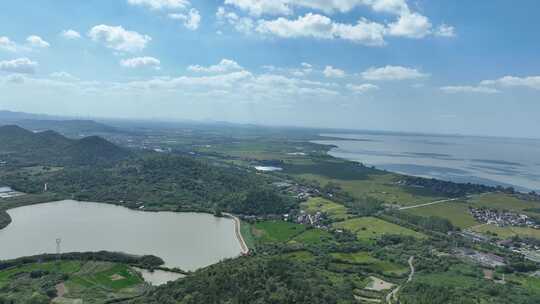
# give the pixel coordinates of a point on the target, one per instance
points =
(487, 160)
(186, 240)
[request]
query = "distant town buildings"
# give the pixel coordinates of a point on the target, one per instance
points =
(503, 218)
(301, 192)
(484, 259)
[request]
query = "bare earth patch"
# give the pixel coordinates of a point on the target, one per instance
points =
(488, 274)
(379, 285)
(61, 291)
(117, 277)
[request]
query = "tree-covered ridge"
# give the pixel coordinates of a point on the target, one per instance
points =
(23, 147)
(253, 280)
(160, 182)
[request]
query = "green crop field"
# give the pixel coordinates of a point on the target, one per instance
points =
(376, 265)
(369, 228)
(314, 237)
(502, 202)
(333, 210)
(528, 282)
(381, 186)
(456, 212)
(507, 232)
(117, 277)
(91, 282)
(245, 229)
(276, 231)
(303, 256)
(458, 275)
(64, 267)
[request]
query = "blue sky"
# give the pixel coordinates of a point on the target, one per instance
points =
(469, 67)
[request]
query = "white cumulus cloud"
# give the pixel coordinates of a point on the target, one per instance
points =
(410, 25)
(532, 82)
(390, 72)
(225, 65)
(241, 24)
(362, 88)
(7, 45)
(70, 34)
(191, 19)
(138, 62)
(445, 30)
(65, 76)
(20, 65)
(37, 42)
(322, 27)
(469, 89)
(332, 72)
(161, 4)
(286, 7)
(260, 7)
(117, 38)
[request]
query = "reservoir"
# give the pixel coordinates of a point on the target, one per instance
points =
(185, 240)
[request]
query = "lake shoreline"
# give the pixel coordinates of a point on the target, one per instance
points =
(238, 233)
(186, 262)
(460, 160)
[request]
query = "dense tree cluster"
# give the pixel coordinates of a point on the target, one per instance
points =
(5, 219)
(430, 223)
(146, 261)
(450, 189)
(24, 148)
(160, 182)
(254, 280)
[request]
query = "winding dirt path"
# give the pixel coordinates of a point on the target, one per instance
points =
(393, 294)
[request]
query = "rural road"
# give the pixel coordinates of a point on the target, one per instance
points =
(429, 204)
(393, 293)
(238, 232)
(444, 201)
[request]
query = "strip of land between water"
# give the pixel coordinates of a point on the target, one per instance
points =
(238, 232)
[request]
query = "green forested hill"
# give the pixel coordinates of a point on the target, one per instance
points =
(94, 169)
(162, 182)
(20, 146)
(253, 280)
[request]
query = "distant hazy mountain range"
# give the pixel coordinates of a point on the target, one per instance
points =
(64, 125)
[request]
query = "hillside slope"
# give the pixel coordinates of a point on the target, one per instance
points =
(22, 147)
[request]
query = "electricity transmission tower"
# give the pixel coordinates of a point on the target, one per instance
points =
(58, 252)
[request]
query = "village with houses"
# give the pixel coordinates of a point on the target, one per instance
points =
(503, 218)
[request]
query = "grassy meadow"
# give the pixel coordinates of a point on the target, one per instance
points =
(371, 228)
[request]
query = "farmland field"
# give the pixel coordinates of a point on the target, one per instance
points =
(456, 212)
(318, 204)
(314, 237)
(364, 258)
(91, 282)
(508, 232)
(502, 202)
(276, 231)
(369, 228)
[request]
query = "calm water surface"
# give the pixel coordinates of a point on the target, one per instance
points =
(185, 240)
(487, 160)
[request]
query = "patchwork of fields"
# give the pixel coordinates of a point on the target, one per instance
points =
(70, 281)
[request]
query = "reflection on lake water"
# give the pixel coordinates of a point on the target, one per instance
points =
(158, 277)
